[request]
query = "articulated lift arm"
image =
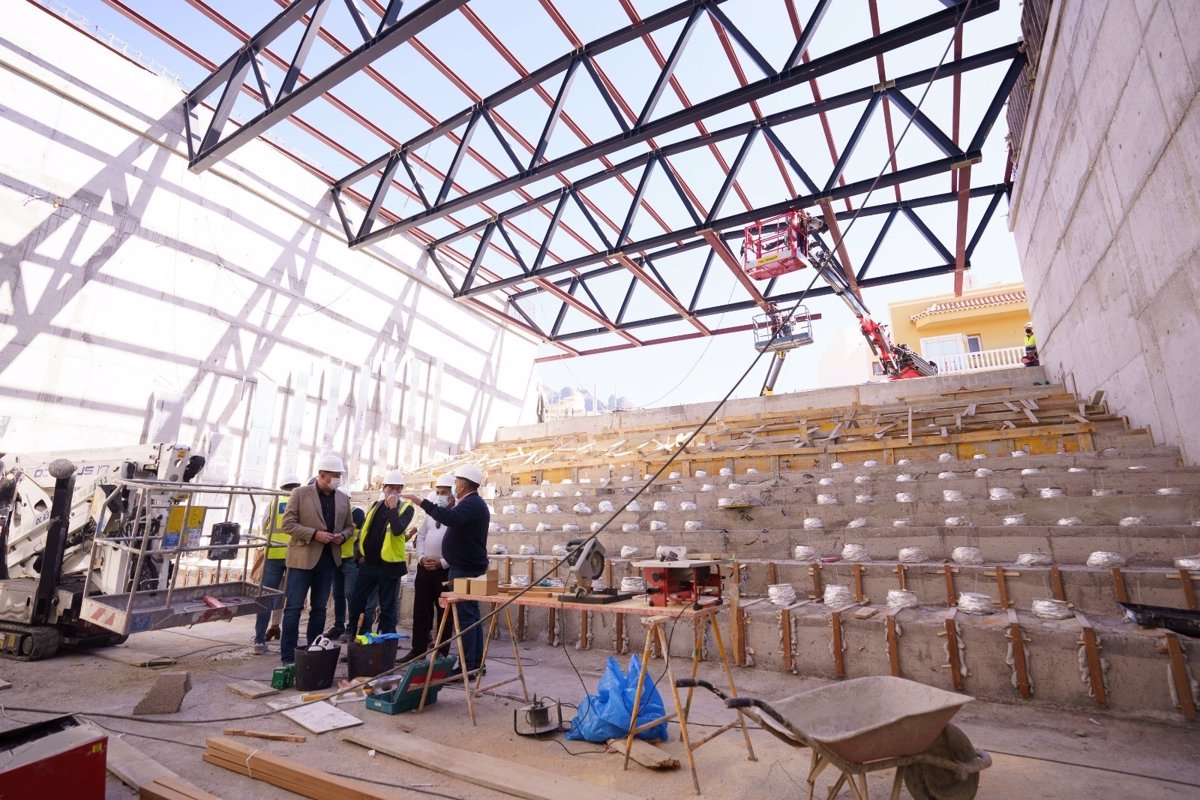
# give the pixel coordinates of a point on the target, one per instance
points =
(898, 360)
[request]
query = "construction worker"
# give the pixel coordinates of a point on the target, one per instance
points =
(464, 547)
(1031, 353)
(384, 556)
(432, 571)
(318, 520)
(343, 579)
(274, 567)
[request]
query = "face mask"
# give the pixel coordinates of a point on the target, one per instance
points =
(387, 495)
(442, 500)
(335, 483)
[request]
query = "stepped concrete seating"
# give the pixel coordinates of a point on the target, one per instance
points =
(1111, 480)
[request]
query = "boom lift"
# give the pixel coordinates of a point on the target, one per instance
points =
(786, 243)
(93, 543)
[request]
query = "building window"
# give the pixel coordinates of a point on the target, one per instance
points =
(937, 348)
(974, 343)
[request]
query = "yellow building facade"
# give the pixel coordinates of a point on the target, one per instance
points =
(982, 329)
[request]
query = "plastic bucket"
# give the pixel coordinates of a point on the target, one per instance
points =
(315, 668)
(369, 660)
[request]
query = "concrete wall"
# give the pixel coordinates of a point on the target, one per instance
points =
(1106, 208)
(141, 301)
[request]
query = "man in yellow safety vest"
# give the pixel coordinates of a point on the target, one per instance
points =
(385, 557)
(274, 566)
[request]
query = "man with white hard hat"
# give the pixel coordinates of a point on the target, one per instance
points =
(274, 565)
(464, 547)
(432, 570)
(382, 544)
(318, 520)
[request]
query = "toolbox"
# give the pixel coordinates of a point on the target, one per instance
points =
(407, 696)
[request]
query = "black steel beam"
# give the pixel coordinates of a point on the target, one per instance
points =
(970, 63)
(594, 48)
(823, 65)
(995, 192)
(386, 40)
(733, 221)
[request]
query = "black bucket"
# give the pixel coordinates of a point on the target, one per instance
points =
(315, 668)
(369, 660)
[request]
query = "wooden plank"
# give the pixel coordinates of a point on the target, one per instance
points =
(251, 689)
(275, 737)
(1179, 676)
(168, 788)
(1091, 649)
(645, 754)
(132, 766)
(4, 684)
(502, 775)
(285, 773)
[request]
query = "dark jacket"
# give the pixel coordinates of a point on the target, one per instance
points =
(385, 522)
(465, 544)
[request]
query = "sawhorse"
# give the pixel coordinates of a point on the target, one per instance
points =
(451, 601)
(656, 632)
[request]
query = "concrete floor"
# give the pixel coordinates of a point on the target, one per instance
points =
(1036, 752)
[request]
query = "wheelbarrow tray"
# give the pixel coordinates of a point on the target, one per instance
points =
(873, 718)
(1179, 620)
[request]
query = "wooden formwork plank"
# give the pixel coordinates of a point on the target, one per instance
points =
(1014, 634)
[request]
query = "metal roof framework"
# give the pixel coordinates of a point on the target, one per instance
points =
(593, 201)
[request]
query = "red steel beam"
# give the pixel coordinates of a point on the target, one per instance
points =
(725, 254)
(663, 294)
(887, 106)
(960, 247)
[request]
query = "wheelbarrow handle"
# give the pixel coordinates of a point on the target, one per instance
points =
(692, 683)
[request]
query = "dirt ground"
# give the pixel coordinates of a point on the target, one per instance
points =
(1037, 752)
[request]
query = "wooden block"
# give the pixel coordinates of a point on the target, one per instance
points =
(645, 754)
(866, 612)
(251, 689)
(495, 773)
(4, 684)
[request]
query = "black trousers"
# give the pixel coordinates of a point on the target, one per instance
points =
(427, 588)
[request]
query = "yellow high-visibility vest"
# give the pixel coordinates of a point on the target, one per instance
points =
(279, 539)
(348, 545)
(393, 549)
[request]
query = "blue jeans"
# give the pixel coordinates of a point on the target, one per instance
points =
(343, 590)
(468, 614)
(301, 583)
(373, 578)
(272, 576)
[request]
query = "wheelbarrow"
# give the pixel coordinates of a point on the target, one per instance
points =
(871, 724)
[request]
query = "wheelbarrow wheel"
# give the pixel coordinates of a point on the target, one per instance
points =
(927, 782)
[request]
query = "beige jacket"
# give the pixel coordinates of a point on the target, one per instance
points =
(303, 519)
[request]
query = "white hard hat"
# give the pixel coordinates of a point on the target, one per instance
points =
(394, 477)
(330, 463)
(446, 481)
(471, 473)
(290, 482)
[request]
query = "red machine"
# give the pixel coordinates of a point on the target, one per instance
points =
(694, 582)
(778, 245)
(782, 244)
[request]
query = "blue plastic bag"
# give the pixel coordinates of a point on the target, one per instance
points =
(605, 715)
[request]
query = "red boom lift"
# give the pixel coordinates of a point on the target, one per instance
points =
(782, 244)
